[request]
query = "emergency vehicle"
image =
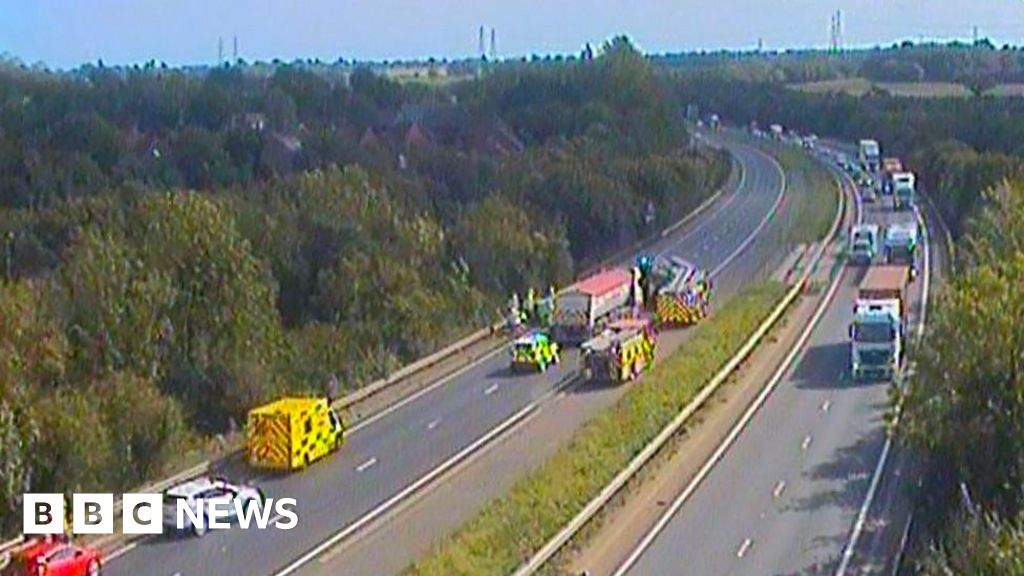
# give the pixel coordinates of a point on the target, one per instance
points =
(534, 351)
(679, 292)
(621, 353)
(292, 433)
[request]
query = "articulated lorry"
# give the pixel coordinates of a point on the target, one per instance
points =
(580, 307)
(901, 245)
(877, 333)
(864, 240)
(870, 156)
(903, 190)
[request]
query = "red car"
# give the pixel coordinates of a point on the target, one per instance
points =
(50, 558)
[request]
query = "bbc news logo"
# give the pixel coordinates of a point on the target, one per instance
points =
(144, 513)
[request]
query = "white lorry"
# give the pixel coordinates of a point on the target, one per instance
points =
(870, 156)
(903, 190)
(878, 330)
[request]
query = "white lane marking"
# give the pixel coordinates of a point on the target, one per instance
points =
(424, 480)
(744, 547)
(413, 397)
(858, 525)
(120, 551)
(783, 368)
(366, 465)
(764, 221)
(826, 405)
(433, 423)
(779, 488)
(806, 443)
(710, 217)
(491, 390)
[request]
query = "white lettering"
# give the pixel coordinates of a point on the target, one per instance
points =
(284, 507)
(254, 510)
(219, 509)
(195, 516)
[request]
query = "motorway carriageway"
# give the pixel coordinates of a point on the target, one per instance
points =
(391, 454)
(787, 496)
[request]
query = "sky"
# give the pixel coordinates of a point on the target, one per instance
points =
(66, 33)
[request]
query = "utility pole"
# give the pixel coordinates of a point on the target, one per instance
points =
(480, 45)
(975, 35)
(760, 45)
(494, 44)
(220, 50)
(234, 54)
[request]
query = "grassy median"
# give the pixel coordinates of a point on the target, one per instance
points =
(510, 528)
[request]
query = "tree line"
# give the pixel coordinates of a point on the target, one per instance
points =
(178, 246)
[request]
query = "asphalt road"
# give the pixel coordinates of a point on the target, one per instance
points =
(783, 500)
(393, 450)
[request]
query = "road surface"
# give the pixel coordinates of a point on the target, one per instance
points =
(785, 497)
(390, 452)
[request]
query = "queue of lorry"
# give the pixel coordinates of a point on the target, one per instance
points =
(878, 330)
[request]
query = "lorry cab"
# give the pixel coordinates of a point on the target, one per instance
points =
(876, 335)
(864, 243)
(291, 433)
(903, 186)
(901, 243)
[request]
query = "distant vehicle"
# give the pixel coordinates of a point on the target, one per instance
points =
(715, 123)
(776, 130)
(534, 351)
(903, 190)
(878, 330)
(870, 155)
(864, 240)
(209, 489)
(291, 433)
(890, 166)
(581, 306)
(901, 241)
(50, 558)
(620, 353)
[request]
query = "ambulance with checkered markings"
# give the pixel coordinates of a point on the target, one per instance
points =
(292, 433)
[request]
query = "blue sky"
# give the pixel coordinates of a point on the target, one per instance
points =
(66, 33)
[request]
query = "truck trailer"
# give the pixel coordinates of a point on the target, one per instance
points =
(877, 333)
(580, 307)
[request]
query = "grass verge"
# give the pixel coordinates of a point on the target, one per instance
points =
(814, 207)
(513, 526)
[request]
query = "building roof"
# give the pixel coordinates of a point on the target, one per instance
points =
(603, 282)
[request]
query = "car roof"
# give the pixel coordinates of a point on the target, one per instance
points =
(531, 337)
(196, 486)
